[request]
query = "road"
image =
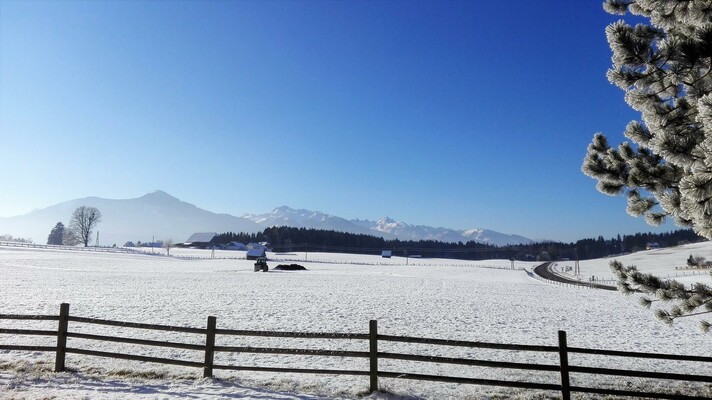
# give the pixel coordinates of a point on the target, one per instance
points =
(544, 271)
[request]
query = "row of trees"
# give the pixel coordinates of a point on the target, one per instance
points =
(81, 225)
(10, 238)
(288, 239)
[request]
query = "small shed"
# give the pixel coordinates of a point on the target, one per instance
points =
(253, 254)
(386, 253)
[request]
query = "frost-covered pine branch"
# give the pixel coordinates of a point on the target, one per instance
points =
(681, 302)
(665, 168)
(664, 68)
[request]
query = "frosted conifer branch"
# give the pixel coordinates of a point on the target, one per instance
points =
(682, 302)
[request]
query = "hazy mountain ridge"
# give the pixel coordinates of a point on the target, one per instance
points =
(160, 216)
(385, 227)
(155, 215)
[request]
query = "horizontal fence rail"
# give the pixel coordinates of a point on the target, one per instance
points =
(208, 349)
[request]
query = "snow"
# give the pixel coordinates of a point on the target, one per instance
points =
(667, 263)
(448, 299)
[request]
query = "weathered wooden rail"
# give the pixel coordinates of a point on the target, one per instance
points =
(563, 368)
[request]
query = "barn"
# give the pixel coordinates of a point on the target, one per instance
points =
(253, 254)
(201, 240)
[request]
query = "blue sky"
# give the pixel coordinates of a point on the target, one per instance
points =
(462, 114)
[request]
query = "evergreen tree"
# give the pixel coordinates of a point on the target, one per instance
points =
(666, 168)
(56, 235)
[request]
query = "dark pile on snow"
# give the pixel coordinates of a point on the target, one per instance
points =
(290, 267)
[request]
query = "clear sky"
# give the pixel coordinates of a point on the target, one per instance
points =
(460, 114)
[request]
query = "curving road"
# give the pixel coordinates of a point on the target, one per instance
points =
(544, 271)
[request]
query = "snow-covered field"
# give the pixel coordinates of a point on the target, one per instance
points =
(667, 263)
(448, 299)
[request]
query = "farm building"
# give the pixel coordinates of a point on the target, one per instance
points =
(235, 246)
(253, 254)
(201, 240)
(386, 253)
(258, 246)
(652, 245)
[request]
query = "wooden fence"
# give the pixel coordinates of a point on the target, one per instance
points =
(62, 247)
(563, 368)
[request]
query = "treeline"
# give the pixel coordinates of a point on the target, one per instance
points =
(597, 248)
(10, 238)
(289, 239)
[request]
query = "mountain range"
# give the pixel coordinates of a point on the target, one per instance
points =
(160, 216)
(385, 227)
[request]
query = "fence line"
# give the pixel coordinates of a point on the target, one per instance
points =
(373, 354)
(73, 248)
(416, 262)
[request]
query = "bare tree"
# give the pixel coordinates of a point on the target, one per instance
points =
(167, 245)
(83, 222)
(69, 238)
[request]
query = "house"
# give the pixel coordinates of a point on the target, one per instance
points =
(201, 240)
(386, 253)
(253, 254)
(235, 246)
(259, 246)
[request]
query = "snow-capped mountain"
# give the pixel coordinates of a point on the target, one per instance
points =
(161, 216)
(385, 227)
(285, 216)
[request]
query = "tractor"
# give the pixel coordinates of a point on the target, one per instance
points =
(261, 264)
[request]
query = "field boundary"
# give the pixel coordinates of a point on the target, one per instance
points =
(371, 352)
(93, 249)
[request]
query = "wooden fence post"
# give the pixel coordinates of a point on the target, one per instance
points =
(62, 337)
(564, 360)
(373, 346)
(209, 348)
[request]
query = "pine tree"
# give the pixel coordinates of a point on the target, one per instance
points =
(56, 235)
(666, 168)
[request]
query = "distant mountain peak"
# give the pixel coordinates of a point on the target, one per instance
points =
(154, 215)
(158, 194)
(385, 227)
(160, 215)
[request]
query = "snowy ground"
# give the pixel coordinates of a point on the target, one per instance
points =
(667, 263)
(448, 299)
